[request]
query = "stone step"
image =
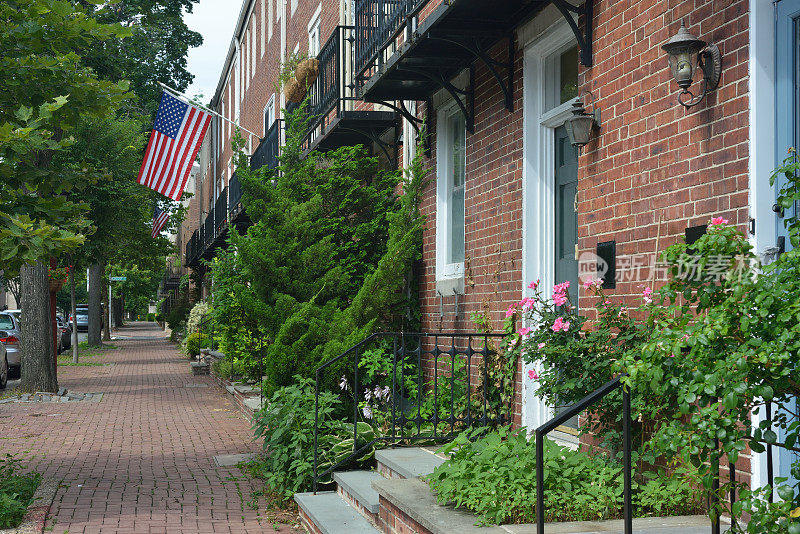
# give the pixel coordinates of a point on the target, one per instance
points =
(326, 512)
(412, 502)
(358, 490)
(407, 462)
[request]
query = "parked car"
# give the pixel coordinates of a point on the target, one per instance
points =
(9, 325)
(81, 317)
(3, 364)
(64, 334)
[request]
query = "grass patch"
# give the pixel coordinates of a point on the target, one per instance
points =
(85, 355)
(16, 491)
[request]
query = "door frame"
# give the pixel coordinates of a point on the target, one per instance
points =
(538, 188)
(765, 152)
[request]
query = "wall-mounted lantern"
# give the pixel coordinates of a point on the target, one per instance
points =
(687, 53)
(579, 126)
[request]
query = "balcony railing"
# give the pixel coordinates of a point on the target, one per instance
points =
(333, 85)
(267, 152)
(378, 23)
(234, 194)
(208, 234)
(221, 212)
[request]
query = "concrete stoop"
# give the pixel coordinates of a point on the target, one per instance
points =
(394, 500)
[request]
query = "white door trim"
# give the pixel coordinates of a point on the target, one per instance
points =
(538, 191)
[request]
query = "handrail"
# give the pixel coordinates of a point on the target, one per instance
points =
(424, 350)
(570, 412)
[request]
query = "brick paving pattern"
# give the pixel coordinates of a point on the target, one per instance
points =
(141, 460)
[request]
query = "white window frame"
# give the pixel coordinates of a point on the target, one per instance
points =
(294, 7)
(271, 108)
(270, 22)
(444, 142)
(314, 38)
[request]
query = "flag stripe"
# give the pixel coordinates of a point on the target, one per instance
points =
(147, 158)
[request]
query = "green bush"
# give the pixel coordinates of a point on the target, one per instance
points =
(193, 343)
(151, 317)
(16, 491)
(327, 261)
(495, 477)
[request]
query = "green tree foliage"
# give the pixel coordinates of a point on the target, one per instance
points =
(325, 263)
(154, 52)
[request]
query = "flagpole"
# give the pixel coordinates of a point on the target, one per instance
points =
(189, 101)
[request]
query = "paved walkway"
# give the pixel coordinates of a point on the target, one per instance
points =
(141, 460)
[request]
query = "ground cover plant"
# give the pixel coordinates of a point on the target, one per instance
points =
(493, 474)
(16, 491)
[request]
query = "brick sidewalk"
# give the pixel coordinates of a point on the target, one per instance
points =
(142, 460)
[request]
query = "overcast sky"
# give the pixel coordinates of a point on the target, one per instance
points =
(215, 21)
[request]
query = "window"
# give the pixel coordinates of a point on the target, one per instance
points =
(451, 162)
(269, 114)
(562, 73)
(294, 6)
(313, 33)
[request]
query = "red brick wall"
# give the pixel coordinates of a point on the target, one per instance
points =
(653, 160)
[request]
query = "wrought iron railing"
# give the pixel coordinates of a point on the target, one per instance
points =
(378, 23)
(435, 386)
(234, 195)
(267, 152)
(333, 84)
(205, 331)
(209, 234)
(627, 469)
(221, 211)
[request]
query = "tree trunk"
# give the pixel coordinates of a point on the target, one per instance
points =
(36, 342)
(73, 314)
(95, 300)
(107, 308)
(117, 312)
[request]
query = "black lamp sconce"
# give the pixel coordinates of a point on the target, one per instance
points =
(579, 127)
(687, 54)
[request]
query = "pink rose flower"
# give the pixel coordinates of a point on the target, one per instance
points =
(559, 299)
(534, 285)
(532, 375)
(647, 295)
(718, 220)
(560, 325)
(527, 303)
(541, 345)
(510, 311)
(524, 331)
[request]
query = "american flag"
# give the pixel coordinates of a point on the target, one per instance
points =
(176, 138)
(159, 218)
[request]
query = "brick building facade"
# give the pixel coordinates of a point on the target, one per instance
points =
(511, 199)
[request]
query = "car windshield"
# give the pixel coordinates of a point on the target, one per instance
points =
(6, 322)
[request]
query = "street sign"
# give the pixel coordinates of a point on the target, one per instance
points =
(119, 278)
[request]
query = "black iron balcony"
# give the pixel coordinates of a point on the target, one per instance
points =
(208, 234)
(406, 50)
(221, 213)
(334, 119)
(234, 196)
(267, 152)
